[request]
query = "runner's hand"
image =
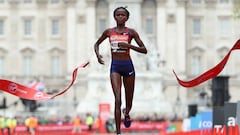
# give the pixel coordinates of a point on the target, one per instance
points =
(123, 45)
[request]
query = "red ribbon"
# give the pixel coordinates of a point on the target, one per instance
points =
(33, 94)
(213, 72)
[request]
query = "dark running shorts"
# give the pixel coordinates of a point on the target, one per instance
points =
(123, 67)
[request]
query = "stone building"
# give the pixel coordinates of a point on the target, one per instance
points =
(45, 40)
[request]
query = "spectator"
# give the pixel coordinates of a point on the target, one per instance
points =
(2, 124)
(76, 125)
(32, 124)
(110, 125)
(43, 121)
(97, 123)
(11, 124)
(26, 123)
(89, 121)
(8, 123)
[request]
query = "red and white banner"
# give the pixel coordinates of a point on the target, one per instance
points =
(213, 72)
(31, 93)
(104, 114)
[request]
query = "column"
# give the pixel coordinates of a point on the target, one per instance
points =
(90, 28)
(211, 39)
(13, 43)
(181, 35)
(71, 35)
(161, 28)
(14, 20)
(42, 4)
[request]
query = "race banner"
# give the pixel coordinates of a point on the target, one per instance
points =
(211, 73)
(104, 114)
(207, 120)
(230, 113)
(31, 93)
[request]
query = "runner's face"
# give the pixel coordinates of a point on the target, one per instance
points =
(121, 16)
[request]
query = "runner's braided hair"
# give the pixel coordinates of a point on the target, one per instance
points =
(124, 8)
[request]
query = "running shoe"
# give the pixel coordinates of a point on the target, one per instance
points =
(127, 120)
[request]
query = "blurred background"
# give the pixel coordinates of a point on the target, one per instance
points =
(42, 41)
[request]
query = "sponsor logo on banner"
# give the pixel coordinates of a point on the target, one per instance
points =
(202, 120)
(206, 121)
(230, 110)
(194, 121)
(12, 87)
(38, 95)
(104, 113)
(33, 93)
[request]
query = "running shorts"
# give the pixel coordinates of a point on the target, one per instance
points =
(123, 67)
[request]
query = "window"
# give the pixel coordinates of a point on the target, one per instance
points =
(196, 62)
(149, 26)
(196, 26)
(27, 65)
(54, 1)
(55, 27)
(149, 16)
(1, 66)
(27, 1)
(56, 66)
(27, 27)
(101, 16)
(1, 27)
(196, 1)
(224, 1)
(224, 24)
(102, 25)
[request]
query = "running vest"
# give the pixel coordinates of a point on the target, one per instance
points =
(115, 38)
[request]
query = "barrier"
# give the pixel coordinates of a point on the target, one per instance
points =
(231, 130)
(137, 127)
(65, 129)
(196, 132)
(50, 129)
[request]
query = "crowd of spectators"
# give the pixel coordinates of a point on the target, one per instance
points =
(32, 121)
(58, 119)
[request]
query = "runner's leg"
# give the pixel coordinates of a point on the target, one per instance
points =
(116, 87)
(129, 83)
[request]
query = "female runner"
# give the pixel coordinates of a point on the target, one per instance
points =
(122, 69)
